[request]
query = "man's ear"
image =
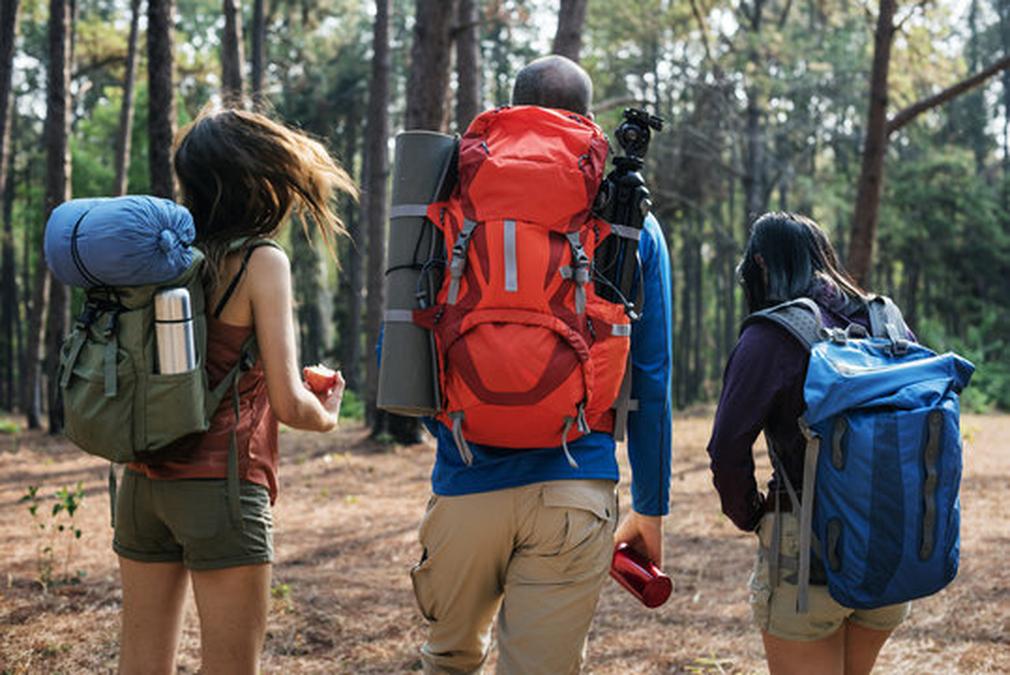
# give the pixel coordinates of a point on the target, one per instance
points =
(591, 116)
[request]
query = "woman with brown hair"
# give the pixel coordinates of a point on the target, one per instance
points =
(241, 176)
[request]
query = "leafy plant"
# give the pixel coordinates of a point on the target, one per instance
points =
(352, 407)
(56, 532)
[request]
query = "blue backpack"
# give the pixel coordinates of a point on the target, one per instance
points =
(879, 506)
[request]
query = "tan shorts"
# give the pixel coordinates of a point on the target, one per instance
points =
(536, 556)
(774, 609)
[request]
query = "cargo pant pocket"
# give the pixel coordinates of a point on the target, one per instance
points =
(420, 573)
(577, 525)
(420, 580)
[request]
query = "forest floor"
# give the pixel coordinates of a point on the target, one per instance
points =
(346, 536)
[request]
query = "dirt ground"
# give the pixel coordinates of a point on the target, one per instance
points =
(346, 537)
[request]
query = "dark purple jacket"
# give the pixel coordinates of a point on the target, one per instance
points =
(763, 391)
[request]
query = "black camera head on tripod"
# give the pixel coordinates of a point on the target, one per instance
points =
(635, 132)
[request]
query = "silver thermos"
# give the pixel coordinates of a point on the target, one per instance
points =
(173, 326)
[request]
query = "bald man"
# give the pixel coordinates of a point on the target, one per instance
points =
(525, 534)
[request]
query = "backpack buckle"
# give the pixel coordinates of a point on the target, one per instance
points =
(87, 316)
(856, 332)
(836, 335)
(110, 327)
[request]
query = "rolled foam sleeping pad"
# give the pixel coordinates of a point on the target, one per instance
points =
(407, 379)
(119, 241)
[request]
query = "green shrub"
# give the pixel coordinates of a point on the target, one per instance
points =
(352, 407)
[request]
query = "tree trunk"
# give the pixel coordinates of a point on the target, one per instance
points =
(754, 174)
(8, 282)
(57, 132)
(161, 98)
(308, 287)
(468, 94)
(231, 53)
(864, 218)
(126, 111)
(27, 363)
(259, 45)
(1004, 32)
(568, 38)
(9, 315)
(355, 268)
(373, 200)
(430, 57)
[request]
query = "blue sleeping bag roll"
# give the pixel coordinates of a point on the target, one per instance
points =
(119, 241)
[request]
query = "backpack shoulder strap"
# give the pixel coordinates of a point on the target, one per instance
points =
(883, 312)
(800, 317)
(249, 245)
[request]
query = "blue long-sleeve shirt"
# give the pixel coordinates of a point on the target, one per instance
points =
(649, 428)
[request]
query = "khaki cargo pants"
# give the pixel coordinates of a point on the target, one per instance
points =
(536, 555)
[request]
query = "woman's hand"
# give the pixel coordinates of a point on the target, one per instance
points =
(331, 398)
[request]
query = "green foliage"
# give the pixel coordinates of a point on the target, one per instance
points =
(56, 531)
(352, 407)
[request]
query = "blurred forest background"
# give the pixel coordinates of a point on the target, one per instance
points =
(886, 120)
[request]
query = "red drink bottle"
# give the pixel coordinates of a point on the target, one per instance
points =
(640, 576)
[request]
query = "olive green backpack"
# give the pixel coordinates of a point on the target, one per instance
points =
(115, 405)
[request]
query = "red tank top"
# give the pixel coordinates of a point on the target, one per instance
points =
(206, 456)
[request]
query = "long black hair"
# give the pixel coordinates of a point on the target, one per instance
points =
(785, 257)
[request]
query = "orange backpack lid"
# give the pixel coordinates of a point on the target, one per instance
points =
(534, 164)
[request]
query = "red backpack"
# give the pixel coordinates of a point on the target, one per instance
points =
(529, 355)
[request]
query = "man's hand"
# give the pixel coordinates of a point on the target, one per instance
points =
(644, 534)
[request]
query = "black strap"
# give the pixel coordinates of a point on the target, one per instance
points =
(230, 291)
(75, 254)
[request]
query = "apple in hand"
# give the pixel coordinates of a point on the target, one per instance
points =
(319, 378)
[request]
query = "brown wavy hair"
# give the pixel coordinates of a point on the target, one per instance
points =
(242, 174)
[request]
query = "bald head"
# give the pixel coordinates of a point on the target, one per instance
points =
(554, 82)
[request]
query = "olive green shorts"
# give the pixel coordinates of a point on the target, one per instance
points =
(188, 521)
(774, 607)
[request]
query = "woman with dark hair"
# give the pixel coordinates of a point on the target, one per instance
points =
(788, 256)
(241, 175)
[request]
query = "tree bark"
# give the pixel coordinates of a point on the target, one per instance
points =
(161, 98)
(56, 132)
(468, 93)
(568, 38)
(373, 199)
(355, 268)
(231, 53)
(864, 218)
(308, 287)
(8, 282)
(259, 30)
(430, 57)
(755, 169)
(1004, 33)
(9, 315)
(126, 111)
